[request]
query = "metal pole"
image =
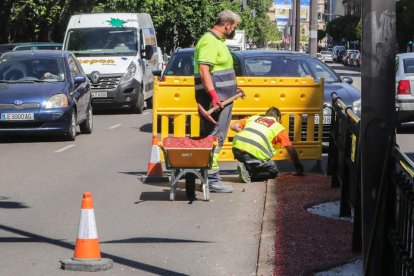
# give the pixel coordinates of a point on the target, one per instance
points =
(378, 110)
(297, 29)
(293, 29)
(313, 27)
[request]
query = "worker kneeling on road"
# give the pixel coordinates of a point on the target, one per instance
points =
(257, 141)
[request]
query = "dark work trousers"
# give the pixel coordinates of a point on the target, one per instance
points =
(220, 130)
(258, 170)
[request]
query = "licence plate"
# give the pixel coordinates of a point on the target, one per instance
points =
(99, 94)
(17, 116)
(326, 120)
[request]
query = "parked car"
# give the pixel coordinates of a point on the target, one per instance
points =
(336, 50)
(29, 46)
(352, 59)
(404, 81)
(280, 64)
(44, 92)
(327, 56)
(339, 55)
(320, 57)
(347, 56)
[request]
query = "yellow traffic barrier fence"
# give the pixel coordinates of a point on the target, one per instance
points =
(299, 99)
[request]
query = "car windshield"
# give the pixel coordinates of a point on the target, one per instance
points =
(31, 69)
(408, 65)
(181, 65)
(102, 42)
(38, 47)
(277, 66)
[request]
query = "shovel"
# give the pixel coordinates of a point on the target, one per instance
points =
(207, 113)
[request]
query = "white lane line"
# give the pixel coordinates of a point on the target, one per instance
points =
(146, 112)
(115, 126)
(64, 148)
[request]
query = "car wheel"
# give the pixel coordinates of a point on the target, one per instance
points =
(70, 134)
(139, 105)
(87, 125)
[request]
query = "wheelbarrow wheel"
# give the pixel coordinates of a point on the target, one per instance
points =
(190, 185)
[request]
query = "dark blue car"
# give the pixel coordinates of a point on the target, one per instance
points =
(44, 92)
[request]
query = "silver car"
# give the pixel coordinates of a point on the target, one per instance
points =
(327, 56)
(404, 82)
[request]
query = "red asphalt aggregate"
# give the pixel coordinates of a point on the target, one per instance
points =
(306, 243)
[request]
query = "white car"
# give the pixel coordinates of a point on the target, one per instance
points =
(327, 56)
(404, 81)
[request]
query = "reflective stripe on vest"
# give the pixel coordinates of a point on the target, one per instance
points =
(256, 138)
(224, 83)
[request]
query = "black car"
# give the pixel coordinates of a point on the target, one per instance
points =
(274, 63)
(23, 46)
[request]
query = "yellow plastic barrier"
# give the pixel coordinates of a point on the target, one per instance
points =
(299, 100)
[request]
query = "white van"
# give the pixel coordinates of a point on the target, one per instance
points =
(116, 51)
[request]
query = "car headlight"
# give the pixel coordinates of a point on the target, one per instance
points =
(57, 101)
(132, 68)
(356, 107)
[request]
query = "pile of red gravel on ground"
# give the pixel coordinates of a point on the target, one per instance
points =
(305, 242)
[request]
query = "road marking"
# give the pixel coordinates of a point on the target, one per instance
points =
(115, 126)
(146, 112)
(64, 148)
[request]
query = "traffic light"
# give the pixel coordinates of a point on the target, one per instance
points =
(319, 15)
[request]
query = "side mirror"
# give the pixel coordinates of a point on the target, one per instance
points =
(347, 80)
(79, 79)
(148, 52)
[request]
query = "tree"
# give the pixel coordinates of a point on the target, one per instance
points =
(321, 35)
(46, 20)
(405, 27)
(343, 27)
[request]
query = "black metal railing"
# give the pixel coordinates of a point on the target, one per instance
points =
(392, 234)
(400, 199)
(344, 163)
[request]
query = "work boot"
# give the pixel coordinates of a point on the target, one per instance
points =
(244, 175)
(218, 187)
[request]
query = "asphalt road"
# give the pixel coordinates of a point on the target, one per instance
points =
(42, 183)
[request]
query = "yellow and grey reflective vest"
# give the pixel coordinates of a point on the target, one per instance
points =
(257, 136)
(212, 50)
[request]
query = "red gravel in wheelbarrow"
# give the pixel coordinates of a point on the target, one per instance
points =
(305, 242)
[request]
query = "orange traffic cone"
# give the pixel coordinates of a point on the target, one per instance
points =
(154, 173)
(87, 255)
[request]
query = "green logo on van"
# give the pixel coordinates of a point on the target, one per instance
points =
(116, 22)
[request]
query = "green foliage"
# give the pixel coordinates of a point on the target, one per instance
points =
(359, 29)
(405, 27)
(321, 34)
(46, 20)
(343, 27)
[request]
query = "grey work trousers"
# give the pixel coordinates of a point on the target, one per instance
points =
(207, 128)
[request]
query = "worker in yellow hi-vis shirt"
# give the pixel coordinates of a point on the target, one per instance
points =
(215, 81)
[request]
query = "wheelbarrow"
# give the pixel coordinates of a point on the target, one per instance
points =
(190, 158)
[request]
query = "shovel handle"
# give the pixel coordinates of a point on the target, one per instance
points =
(226, 102)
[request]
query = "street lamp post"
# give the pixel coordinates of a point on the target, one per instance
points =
(377, 127)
